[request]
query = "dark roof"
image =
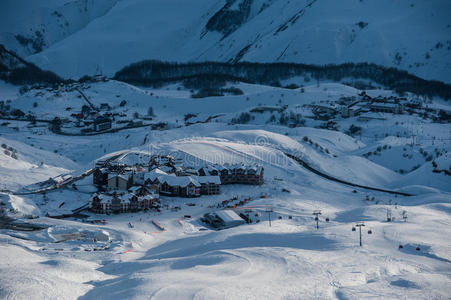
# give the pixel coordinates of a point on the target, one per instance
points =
(102, 119)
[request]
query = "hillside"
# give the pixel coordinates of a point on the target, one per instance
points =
(225, 149)
(48, 139)
(16, 70)
(84, 37)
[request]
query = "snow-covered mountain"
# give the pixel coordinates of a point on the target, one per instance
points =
(29, 27)
(74, 38)
(355, 144)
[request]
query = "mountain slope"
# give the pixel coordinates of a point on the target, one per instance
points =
(29, 27)
(15, 70)
(413, 36)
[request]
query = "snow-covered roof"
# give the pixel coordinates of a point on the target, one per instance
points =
(134, 189)
(124, 176)
(134, 158)
(385, 105)
(181, 181)
(208, 179)
(210, 168)
(105, 198)
(373, 115)
(166, 169)
(229, 216)
(226, 166)
(155, 173)
(126, 197)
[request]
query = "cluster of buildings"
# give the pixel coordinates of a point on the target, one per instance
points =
(137, 199)
(364, 106)
(130, 186)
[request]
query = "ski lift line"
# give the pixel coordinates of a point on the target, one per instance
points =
(86, 99)
(261, 207)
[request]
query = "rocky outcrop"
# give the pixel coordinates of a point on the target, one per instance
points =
(230, 17)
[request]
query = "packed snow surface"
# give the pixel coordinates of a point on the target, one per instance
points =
(127, 256)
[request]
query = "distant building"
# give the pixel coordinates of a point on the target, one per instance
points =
(262, 109)
(106, 204)
(323, 112)
(146, 178)
(182, 186)
(241, 174)
(348, 112)
(179, 186)
(102, 123)
(159, 126)
(223, 219)
(105, 106)
(209, 185)
(208, 171)
(100, 176)
(371, 116)
(383, 107)
(120, 181)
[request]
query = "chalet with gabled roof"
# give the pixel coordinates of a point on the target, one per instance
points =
(120, 181)
(179, 186)
(117, 203)
(241, 174)
(100, 176)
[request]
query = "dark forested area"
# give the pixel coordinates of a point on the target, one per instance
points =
(152, 72)
(15, 70)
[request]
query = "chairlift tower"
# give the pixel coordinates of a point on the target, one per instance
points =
(404, 215)
(316, 213)
(360, 225)
(269, 210)
(248, 213)
(389, 217)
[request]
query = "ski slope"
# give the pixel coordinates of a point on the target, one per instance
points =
(291, 259)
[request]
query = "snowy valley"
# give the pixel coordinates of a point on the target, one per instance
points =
(214, 177)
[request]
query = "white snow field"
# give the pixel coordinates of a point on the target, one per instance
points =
(291, 259)
(104, 36)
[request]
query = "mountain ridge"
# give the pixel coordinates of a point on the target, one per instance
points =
(410, 36)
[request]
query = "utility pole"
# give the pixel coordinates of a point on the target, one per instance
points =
(269, 211)
(404, 215)
(316, 213)
(389, 217)
(360, 231)
(248, 212)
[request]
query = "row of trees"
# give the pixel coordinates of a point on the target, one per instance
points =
(150, 71)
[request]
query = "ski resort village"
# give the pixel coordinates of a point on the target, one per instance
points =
(225, 149)
(130, 188)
